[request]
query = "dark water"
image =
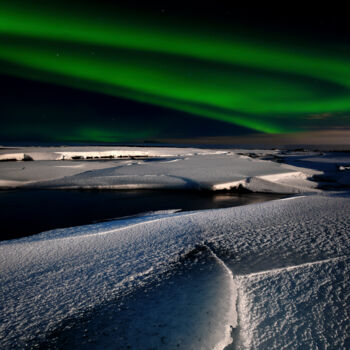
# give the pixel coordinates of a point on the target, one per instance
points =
(26, 212)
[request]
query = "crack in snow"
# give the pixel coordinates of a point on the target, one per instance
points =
(232, 314)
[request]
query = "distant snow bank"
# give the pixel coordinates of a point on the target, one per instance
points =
(11, 156)
(142, 281)
(130, 168)
(97, 152)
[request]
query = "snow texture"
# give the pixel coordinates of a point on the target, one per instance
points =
(159, 168)
(271, 275)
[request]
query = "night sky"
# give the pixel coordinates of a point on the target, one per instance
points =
(82, 72)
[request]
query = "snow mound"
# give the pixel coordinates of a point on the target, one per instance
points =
(182, 309)
(119, 283)
(301, 307)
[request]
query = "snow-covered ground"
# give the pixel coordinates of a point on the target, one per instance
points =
(146, 283)
(97, 152)
(171, 168)
(273, 275)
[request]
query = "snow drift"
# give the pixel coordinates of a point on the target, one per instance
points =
(149, 281)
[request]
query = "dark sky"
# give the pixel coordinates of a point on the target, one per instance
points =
(79, 72)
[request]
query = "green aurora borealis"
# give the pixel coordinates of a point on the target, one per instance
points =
(269, 86)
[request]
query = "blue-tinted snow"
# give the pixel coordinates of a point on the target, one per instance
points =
(137, 282)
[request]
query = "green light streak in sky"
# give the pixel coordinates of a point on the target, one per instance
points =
(89, 133)
(269, 88)
(86, 134)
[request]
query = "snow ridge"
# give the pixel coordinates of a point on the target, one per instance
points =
(292, 267)
(232, 315)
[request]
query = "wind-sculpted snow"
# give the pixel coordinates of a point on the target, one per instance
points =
(137, 282)
(182, 309)
(173, 168)
(193, 172)
(300, 307)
